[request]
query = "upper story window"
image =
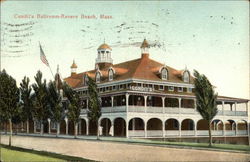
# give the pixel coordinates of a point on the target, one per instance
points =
(180, 89)
(161, 87)
(189, 90)
(170, 88)
(164, 74)
(186, 76)
(111, 74)
(98, 77)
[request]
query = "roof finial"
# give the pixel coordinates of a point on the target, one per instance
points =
(185, 67)
(57, 70)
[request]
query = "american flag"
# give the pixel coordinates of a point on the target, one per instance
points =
(43, 57)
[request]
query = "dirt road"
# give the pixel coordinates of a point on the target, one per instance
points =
(111, 151)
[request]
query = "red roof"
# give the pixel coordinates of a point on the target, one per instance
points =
(142, 68)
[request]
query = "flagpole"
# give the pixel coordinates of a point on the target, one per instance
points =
(48, 62)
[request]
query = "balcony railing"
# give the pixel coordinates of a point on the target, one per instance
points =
(191, 133)
(166, 110)
(154, 133)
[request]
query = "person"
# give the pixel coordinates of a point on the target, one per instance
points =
(100, 130)
(111, 130)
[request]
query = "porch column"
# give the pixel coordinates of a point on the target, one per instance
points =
(145, 129)
(195, 129)
(195, 106)
(236, 129)
(112, 128)
(67, 126)
(49, 131)
(235, 107)
(127, 134)
(179, 100)
(87, 104)
(127, 99)
(34, 126)
(163, 104)
(223, 106)
(145, 103)
(247, 108)
(112, 101)
(179, 129)
(80, 127)
(87, 127)
(224, 128)
(163, 129)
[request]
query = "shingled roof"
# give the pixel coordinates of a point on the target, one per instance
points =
(142, 68)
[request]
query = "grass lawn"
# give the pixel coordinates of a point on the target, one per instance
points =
(20, 154)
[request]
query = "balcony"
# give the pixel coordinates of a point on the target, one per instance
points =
(185, 133)
(161, 110)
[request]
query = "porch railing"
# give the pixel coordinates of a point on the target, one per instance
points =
(166, 110)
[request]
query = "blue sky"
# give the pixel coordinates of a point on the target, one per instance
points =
(210, 36)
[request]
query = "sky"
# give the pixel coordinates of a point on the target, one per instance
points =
(209, 36)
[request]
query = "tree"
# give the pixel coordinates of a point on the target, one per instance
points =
(74, 106)
(9, 99)
(94, 112)
(26, 101)
(205, 100)
(40, 101)
(55, 102)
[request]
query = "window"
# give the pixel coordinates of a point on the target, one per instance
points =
(189, 90)
(111, 74)
(186, 76)
(139, 84)
(121, 86)
(180, 89)
(98, 77)
(161, 87)
(106, 88)
(114, 87)
(170, 88)
(164, 74)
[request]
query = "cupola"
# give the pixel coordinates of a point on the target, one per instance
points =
(144, 47)
(104, 56)
(73, 68)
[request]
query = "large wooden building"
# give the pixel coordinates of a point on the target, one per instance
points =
(147, 99)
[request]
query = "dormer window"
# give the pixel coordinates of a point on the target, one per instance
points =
(98, 77)
(186, 77)
(164, 74)
(111, 74)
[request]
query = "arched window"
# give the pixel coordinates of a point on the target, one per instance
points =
(164, 74)
(98, 77)
(111, 74)
(186, 76)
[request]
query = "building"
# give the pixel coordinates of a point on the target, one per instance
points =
(144, 98)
